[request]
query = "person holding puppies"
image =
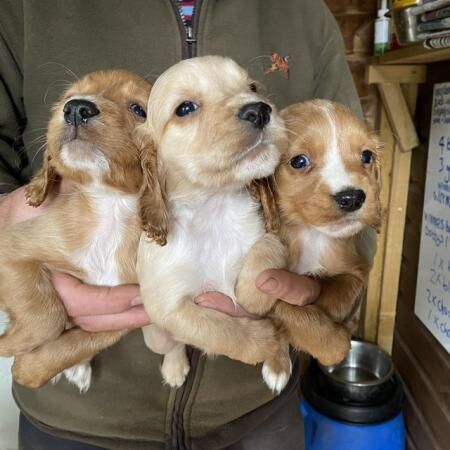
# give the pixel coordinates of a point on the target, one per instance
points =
(296, 51)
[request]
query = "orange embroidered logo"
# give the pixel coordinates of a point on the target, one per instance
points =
(279, 64)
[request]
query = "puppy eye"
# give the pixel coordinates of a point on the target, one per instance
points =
(186, 108)
(366, 157)
(138, 110)
(253, 87)
(300, 162)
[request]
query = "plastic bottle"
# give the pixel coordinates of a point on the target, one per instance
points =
(382, 30)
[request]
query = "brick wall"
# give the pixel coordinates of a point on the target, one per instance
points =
(356, 20)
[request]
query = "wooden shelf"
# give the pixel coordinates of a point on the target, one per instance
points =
(414, 54)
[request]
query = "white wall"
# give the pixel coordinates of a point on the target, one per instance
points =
(9, 414)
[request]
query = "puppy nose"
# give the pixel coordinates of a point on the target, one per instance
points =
(350, 200)
(79, 111)
(258, 114)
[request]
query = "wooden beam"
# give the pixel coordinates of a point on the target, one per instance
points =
(396, 74)
(396, 216)
(399, 115)
(388, 79)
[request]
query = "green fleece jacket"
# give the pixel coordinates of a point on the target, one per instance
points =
(44, 45)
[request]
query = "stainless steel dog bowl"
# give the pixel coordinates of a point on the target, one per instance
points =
(366, 372)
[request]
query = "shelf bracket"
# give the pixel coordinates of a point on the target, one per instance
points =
(389, 80)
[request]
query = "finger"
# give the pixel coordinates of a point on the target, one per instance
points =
(15, 209)
(85, 300)
(135, 317)
(290, 287)
(221, 302)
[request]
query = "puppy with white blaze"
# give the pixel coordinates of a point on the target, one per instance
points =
(327, 193)
(210, 134)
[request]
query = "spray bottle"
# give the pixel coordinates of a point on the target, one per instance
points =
(382, 29)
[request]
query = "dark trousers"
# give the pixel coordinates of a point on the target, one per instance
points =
(283, 431)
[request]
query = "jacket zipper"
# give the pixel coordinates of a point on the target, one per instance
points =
(178, 439)
(189, 37)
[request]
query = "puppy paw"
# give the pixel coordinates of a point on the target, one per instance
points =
(80, 375)
(174, 369)
(27, 371)
(264, 335)
(276, 376)
(336, 349)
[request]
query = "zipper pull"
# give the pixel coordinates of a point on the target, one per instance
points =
(190, 36)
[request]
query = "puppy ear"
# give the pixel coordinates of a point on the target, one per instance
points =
(41, 184)
(153, 209)
(263, 191)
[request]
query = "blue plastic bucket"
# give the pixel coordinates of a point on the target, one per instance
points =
(325, 433)
(352, 406)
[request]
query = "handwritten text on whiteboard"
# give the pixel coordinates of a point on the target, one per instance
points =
(432, 303)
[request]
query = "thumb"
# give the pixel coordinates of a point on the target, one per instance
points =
(292, 288)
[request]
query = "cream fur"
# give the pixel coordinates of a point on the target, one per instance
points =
(206, 160)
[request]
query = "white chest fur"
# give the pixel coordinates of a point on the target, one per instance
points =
(112, 213)
(314, 245)
(208, 241)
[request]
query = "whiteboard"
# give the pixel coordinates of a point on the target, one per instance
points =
(432, 304)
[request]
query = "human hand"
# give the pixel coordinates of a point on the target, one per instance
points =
(95, 308)
(14, 208)
(101, 308)
(290, 287)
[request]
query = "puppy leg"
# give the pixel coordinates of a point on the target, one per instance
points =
(158, 340)
(175, 366)
(276, 371)
(247, 340)
(30, 307)
(36, 368)
(340, 294)
(267, 253)
(309, 329)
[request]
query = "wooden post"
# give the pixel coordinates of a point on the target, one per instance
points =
(398, 87)
(396, 216)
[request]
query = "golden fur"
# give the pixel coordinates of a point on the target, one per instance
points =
(102, 161)
(309, 211)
